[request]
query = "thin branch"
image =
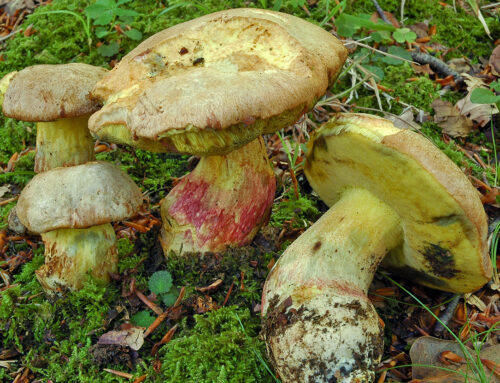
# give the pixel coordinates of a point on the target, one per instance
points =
(380, 12)
(436, 64)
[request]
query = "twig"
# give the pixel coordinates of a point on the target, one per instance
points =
(119, 373)
(402, 10)
(490, 6)
(436, 64)
(446, 316)
(381, 52)
(148, 303)
(228, 294)
(380, 11)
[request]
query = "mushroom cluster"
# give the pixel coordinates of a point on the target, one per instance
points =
(395, 199)
(211, 87)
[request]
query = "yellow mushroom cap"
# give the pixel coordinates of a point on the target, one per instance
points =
(213, 84)
(443, 220)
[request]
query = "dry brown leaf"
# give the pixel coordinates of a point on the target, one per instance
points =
(495, 61)
(422, 68)
(427, 351)
(480, 113)
(132, 337)
(405, 120)
(421, 29)
(449, 118)
(459, 65)
(4, 189)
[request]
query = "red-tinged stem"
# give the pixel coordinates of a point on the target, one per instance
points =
(221, 204)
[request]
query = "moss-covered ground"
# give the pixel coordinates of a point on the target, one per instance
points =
(217, 339)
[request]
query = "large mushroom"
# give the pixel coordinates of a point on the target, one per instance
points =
(210, 87)
(56, 97)
(72, 208)
(395, 198)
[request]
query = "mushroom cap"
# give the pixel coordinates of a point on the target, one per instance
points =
(212, 84)
(50, 92)
(444, 223)
(78, 197)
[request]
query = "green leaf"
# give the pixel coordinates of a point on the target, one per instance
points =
(94, 10)
(108, 50)
(142, 318)
(169, 299)
(495, 85)
(396, 51)
(160, 282)
(350, 22)
(133, 34)
(404, 34)
(107, 3)
(483, 96)
(277, 5)
(381, 36)
(104, 18)
(126, 13)
(344, 27)
(363, 55)
(101, 32)
(120, 2)
(377, 71)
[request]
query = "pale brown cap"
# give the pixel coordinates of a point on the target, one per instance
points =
(50, 92)
(78, 197)
(442, 217)
(236, 73)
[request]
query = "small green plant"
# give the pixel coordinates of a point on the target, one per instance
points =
(349, 25)
(487, 96)
(110, 19)
(160, 283)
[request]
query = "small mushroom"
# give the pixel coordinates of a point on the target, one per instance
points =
(72, 209)
(57, 98)
(211, 87)
(395, 199)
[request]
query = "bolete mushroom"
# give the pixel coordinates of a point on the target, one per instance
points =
(395, 197)
(72, 208)
(56, 97)
(210, 87)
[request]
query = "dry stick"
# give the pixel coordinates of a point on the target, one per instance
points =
(380, 11)
(165, 314)
(166, 338)
(140, 379)
(228, 294)
(446, 316)
(119, 373)
(436, 64)
(148, 303)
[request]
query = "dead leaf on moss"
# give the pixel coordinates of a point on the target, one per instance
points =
(132, 337)
(4, 189)
(405, 120)
(449, 118)
(435, 354)
(495, 61)
(480, 113)
(459, 65)
(421, 29)
(422, 69)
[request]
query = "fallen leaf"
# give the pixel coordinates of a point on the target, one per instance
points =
(449, 118)
(211, 287)
(495, 61)
(427, 354)
(405, 120)
(4, 189)
(459, 65)
(132, 337)
(422, 68)
(480, 113)
(421, 29)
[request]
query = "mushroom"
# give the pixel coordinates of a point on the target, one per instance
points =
(57, 98)
(211, 87)
(395, 199)
(72, 208)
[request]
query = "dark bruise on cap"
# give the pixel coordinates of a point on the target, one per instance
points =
(42, 93)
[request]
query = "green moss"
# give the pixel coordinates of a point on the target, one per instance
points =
(216, 350)
(458, 30)
(295, 210)
(151, 171)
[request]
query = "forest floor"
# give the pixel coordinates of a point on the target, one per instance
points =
(419, 69)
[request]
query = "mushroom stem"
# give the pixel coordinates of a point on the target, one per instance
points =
(318, 321)
(64, 142)
(70, 254)
(222, 203)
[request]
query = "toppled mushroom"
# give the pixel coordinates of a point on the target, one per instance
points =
(211, 87)
(395, 197)
(72, 209)
(57, 98)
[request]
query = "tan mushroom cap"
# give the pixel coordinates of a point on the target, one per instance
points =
(443, 220)
(51, 92)
(214, 83)
(78, 197)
